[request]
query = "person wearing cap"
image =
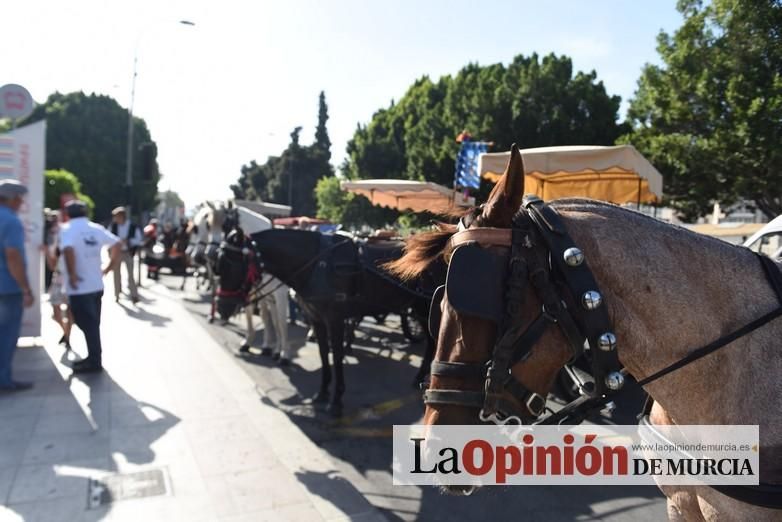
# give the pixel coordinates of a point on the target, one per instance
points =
(15, 293)
(81, 242)
(130, 235)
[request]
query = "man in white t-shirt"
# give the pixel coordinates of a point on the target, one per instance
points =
(81, 243)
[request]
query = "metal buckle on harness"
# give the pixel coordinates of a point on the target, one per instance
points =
(536, 404)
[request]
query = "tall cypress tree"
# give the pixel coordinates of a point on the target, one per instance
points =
(322, 140)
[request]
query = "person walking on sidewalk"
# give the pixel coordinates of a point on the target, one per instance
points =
(81, 242)
(130, 235)
(61, 312)
(15, 293)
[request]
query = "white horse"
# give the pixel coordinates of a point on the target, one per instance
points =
(208, 225)
(274, 307)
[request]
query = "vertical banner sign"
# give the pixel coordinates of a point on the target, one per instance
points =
(467, 164)
(22, 156)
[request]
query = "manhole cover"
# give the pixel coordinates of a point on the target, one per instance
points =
(149, 483)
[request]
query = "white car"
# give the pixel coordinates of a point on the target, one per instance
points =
(768, 240)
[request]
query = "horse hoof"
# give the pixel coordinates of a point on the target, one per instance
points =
(245, 348)
(321, 398)
(334, 409)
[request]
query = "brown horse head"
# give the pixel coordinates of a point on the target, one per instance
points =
(463, 338)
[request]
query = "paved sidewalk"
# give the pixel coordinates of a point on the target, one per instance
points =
(173, 417)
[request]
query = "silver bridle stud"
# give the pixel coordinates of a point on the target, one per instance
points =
(607, 342)
(591, 299)
(573, 256)
(614, 381)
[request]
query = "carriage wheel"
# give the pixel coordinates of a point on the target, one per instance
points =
(412, 328)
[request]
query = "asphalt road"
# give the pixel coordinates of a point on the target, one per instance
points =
(379, 394)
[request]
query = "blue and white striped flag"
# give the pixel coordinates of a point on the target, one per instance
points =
(467, 175)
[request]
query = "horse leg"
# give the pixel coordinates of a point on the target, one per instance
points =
(210, 276)
(248, 314)
(337, 338)
(321, 333)
(426, 363)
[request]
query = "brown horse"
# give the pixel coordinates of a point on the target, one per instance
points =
(666, 291)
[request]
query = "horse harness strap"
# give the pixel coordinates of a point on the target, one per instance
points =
(774, 277)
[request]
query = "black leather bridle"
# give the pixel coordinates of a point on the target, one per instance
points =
(544, 256)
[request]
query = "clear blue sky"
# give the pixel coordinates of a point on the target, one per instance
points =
(232, 88)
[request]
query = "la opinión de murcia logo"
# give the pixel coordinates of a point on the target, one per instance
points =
(483, 455)
(479, 457)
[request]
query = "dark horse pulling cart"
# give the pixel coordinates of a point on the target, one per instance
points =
(337, 279)
(239, 269)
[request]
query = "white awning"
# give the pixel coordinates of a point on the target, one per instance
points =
(418, 196)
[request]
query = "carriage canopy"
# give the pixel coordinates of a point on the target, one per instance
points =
(618, 174)
(400, 194)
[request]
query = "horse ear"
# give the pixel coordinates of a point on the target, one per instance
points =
(505, 198)
(210, 205)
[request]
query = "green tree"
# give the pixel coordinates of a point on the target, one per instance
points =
(88, 134)
(60, 182)
(170, 199)
(322, 140)
(710, 118)
(291, 177)
(533, 101)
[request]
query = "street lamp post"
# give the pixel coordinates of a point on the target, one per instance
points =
(129, 157)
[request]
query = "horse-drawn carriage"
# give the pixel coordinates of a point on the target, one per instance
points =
(165, 249)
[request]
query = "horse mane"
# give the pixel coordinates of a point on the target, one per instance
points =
(420, 251)
(423, 249)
